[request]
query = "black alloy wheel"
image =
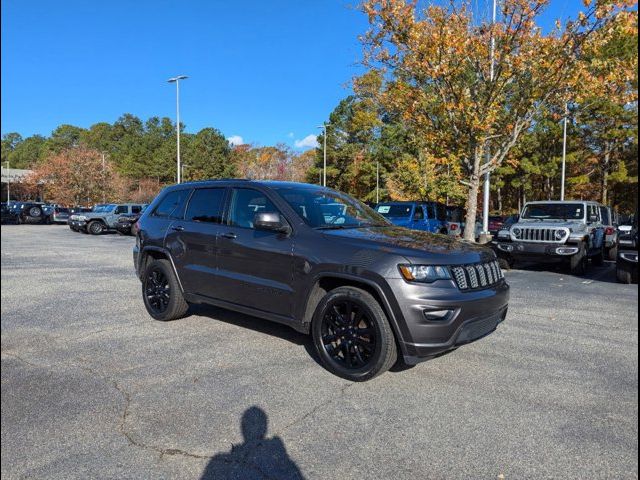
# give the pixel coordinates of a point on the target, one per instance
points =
(352, 335)
(161, 291)
(348, 334)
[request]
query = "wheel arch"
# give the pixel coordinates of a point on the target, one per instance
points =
(325, 282)
(151, 253)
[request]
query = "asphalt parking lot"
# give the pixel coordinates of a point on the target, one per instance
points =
(92, 387)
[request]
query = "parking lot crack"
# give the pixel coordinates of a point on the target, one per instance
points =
(319, 407)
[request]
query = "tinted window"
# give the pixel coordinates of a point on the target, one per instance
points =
(136, 209)
(206, 205)
(245, 203)
(604, 214)
(441, 212)
(122, 209)
(392, 211)
(171, 204)
(419, 213)
(557, 211)
(317, 208)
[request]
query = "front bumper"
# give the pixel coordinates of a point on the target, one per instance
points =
(541, 252)
(471, 316)
(123, 227)
(77, 224)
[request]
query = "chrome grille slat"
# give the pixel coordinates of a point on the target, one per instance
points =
(540, 234)
(476, 276)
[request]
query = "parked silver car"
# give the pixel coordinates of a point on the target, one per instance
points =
(570, 232)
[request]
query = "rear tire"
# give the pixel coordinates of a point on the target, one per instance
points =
(352, 335)
(624, 275)
(161, 292)
(598, 260)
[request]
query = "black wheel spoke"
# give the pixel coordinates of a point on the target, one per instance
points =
(348, 334)
(157, 291)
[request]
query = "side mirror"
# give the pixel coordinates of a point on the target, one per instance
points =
(270, 221)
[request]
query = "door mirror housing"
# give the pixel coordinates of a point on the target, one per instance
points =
(271, 221)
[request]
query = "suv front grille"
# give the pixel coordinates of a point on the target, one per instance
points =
(547, 235)
(479, 275)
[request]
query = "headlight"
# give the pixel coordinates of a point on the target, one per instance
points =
(424, 273)
(516, 232)
(503, 234)
(82, 218)
(559, 234)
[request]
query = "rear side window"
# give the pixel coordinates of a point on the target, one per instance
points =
(206, 205)
(245, 203)
(171, 205)
(121, 209)
(136, 209)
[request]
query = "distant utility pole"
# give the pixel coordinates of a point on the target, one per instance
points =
(564, 150)
(104, 198)
(8, 183)
(176, 80)
(324, 169)
(487, 178)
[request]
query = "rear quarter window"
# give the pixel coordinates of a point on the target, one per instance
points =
(171, 205)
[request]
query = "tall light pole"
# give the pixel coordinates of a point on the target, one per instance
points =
(564, 151)
(8, 183)
(176, 80)
(487, 178)
(324, 169)
(377, 181)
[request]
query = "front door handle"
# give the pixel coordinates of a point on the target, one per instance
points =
(178, 228)
(230, 235)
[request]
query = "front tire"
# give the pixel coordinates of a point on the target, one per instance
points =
(352, 335)
(598, 260)
(95, 228)
(161, 292)
(578, 263)
(624, 275)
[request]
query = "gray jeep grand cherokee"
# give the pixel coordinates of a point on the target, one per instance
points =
(366, 290)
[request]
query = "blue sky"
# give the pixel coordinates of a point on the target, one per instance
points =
(267, 71)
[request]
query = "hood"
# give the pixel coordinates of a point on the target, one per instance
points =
(415, 245)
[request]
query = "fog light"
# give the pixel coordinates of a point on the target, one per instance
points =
(630, 257)
(505, 248)
(437, 315)
(567, 250)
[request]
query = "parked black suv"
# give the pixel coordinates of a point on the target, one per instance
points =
(361, 286)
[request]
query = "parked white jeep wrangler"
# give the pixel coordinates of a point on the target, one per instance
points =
(552, 231)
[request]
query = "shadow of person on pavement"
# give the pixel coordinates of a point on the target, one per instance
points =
(258, 457)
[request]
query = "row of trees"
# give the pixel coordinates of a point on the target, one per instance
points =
(131, 160)
(435, 114)
(446, 97)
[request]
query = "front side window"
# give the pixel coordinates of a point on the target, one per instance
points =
(419, 213)
(136, 209)
(398, 210)
(245, 203)
(121, 209)
(206, 205)
(171, 204)
(318, 208)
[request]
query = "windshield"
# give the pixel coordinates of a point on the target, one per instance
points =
(326, 209)
(554, 211)
(394, 210)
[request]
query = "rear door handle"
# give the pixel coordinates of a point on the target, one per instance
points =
(230, 235)
(178, 228)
